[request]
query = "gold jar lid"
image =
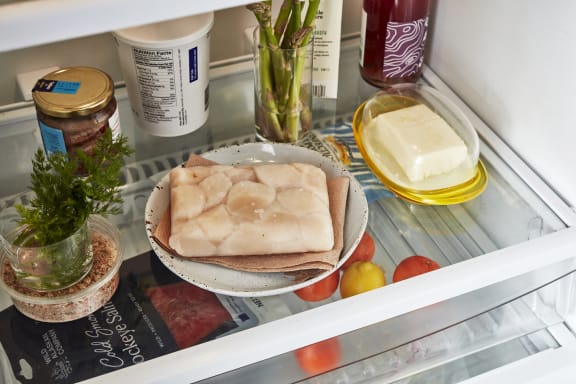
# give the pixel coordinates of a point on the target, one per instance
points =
(73, 92)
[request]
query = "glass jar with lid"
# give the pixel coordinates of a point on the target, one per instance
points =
(75, 106)
(393, 35)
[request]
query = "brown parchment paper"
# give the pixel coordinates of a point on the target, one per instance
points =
(300, 265)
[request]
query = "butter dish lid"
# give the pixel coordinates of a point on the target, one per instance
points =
(420, 145)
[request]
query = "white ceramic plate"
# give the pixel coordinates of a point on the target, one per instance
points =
(238, 283)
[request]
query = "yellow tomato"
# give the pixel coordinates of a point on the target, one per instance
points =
(360, 277)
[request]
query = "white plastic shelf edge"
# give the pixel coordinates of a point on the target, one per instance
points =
(281, 336)
(29, 23)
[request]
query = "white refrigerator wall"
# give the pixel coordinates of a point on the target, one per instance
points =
(514, 63)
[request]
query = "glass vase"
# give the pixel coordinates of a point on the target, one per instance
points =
(47, 267)
(282, 91)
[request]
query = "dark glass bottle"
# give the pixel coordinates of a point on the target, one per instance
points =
(393, 39)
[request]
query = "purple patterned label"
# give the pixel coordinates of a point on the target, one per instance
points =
(404, 47)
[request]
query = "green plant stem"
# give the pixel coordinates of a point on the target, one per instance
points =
(282, 19)
(290, 16)
(63, 200)
(282, 51)
(300, 38)
(294, 98)
(263, 13)
(292, 25)
(305, 112)
(310, 18)
(296, 15)
(269, 66)
(267, 99)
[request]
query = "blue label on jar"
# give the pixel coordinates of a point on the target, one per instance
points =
(52, 138)
(193, 64)
(54, 86)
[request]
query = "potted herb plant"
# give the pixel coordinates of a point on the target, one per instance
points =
(51, 246)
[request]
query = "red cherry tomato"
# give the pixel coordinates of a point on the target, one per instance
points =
(363, 252)
(413, 266)
(319, 357)
(320, 290)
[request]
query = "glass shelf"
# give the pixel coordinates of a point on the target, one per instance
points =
(509, 212)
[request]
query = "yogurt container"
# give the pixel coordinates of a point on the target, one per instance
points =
(165, 66)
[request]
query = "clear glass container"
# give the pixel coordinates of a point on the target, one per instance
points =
(74, 107)
(44, 267)
(420, 144)
(282, 98)
(84, 297)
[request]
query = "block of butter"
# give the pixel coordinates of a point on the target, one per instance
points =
(420, 141)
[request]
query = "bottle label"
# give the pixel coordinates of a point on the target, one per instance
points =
(57, 86)
(326, 50)
(114, 124)
(404, 50)
(168, 91)
(193, 64)
(52, 138)
(363, 36)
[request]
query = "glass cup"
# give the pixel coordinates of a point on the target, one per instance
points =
(282, 91)
(46, 267)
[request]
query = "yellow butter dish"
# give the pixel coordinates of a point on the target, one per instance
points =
(420, 145)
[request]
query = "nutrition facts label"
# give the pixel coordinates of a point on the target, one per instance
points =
(155, 72)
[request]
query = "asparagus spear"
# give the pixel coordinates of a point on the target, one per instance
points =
(294, 24)
(280, 75)
(300, 38)
(294, 100)
(270, 57)
(310, 17)
(268, 100)
(282, 19)
(263, 13)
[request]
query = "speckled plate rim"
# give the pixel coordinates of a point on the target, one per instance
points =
(456, 194)
(231, 282)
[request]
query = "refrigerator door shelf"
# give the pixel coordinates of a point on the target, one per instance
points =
(402, 347)
(555, 365)
(395, 349)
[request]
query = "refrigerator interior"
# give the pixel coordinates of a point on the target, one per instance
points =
(504, 294)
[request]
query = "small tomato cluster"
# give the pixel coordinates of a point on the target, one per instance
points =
(360, 274)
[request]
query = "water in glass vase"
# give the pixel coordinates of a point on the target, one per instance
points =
(48, 267)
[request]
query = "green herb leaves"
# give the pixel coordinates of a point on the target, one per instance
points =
(64, 200)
